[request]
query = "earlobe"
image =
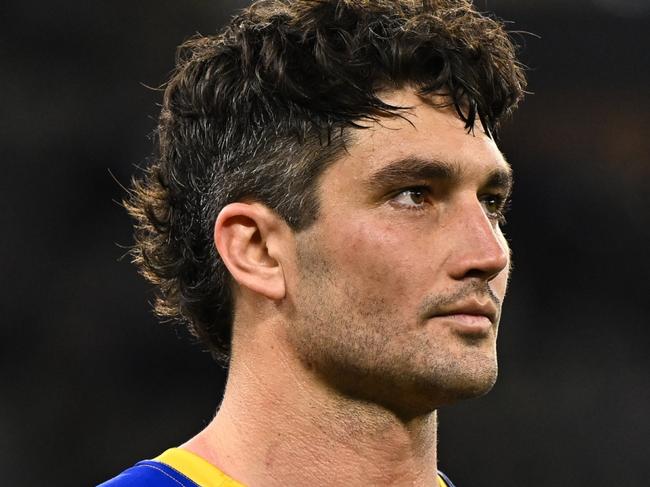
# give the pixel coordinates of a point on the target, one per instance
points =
(248, 239)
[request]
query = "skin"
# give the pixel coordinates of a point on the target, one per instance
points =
(350, 334)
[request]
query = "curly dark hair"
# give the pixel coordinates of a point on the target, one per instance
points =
(261, 109)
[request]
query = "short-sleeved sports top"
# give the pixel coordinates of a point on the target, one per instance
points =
(181, 468)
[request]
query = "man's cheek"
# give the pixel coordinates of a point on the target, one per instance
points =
(500, 282)
(503, 278)
(380, 260)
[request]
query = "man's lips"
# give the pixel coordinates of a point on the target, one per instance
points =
(469, 316)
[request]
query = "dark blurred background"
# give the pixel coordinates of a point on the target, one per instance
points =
(92, 383)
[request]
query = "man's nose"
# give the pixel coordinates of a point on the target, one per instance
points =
(480, 249)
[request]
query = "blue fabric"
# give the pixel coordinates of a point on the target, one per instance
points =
(150, 474)
(446, 479)
(155, 474)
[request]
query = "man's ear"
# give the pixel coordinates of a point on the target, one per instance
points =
(248, 236)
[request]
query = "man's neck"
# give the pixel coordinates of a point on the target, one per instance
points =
(281, 426)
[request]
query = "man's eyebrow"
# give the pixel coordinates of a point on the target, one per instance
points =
(412, 169)
(500, 178)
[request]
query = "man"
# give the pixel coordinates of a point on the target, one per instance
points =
(324, 214)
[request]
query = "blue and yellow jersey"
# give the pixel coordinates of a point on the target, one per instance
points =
(181, 468)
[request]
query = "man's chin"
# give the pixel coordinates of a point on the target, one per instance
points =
(426, 394)
(469, 386)
(473, 390)
(449, 383)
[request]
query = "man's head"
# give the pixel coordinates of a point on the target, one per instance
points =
(397, 291)
(284, 110)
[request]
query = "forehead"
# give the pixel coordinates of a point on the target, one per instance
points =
(427, 132)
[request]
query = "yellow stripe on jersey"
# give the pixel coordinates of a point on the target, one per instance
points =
(196, 468)
(205, 474)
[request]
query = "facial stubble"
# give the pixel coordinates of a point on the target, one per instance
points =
(364, 347)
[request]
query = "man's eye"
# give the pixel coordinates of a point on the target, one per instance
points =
(495, 207)
(413, 198)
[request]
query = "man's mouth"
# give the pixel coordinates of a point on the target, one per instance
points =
(468, 317)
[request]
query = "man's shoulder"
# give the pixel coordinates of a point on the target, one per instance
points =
(176, 467)
(445, 479)
(150, 473)
(180, 468)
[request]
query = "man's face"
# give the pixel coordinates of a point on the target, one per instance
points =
(398, 285)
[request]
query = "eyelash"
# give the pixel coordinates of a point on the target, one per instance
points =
(425, 191)
(502, 203)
